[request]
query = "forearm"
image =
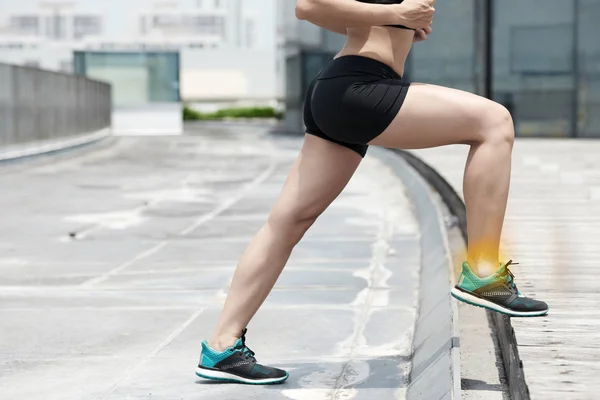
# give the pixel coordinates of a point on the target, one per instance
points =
(347, 13)
(342, 30)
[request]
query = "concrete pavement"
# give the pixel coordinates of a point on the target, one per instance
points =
(552, 229)
(114, 265)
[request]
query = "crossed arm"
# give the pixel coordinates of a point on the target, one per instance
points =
(337, 15)
(342, 30)
(420, 34)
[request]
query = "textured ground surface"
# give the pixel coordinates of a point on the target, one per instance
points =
(114, 265)
(552, 229)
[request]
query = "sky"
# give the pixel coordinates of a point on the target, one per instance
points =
(123, 12)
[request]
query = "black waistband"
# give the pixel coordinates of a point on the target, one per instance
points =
(353, 64)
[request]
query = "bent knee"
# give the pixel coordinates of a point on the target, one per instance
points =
(497, 126)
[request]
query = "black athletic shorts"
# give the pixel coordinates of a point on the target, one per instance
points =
(353, 100)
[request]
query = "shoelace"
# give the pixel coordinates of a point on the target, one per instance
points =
(249, 354)
(510, 277)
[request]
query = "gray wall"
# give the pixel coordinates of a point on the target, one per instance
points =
(546, 61)
(37, 104)
(447, 57)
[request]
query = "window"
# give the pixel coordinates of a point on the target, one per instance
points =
(211, 25)
(85, 25)
(166, 21)
(538, 50)
(25, 24)
(204, 24)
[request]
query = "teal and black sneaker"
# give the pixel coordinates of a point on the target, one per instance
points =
(237, 364)
(497, 292)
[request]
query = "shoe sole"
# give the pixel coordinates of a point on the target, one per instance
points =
(225, 377)
(479, 302)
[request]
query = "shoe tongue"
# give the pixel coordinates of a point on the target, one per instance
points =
(238, 344)
(501, 271)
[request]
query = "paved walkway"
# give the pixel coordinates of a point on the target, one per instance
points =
(114, 265)
(552, 229)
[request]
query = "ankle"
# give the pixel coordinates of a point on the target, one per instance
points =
(222, 342)
(483, 268)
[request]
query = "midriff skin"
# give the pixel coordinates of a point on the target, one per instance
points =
(388, 45)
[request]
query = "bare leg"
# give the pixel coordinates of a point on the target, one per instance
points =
(432, 116)
(320, 173)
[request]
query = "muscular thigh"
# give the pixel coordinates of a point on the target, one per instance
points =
(317, 177)
(433, 116)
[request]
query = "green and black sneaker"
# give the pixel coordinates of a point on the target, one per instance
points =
(497, 292)
(237, 364)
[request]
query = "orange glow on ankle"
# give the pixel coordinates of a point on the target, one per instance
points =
(486, 252)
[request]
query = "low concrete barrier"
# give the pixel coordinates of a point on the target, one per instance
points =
(435, 367)
(501, 324)
(41, 106)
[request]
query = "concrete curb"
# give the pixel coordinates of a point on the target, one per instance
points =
(513, 366)
(435, 365)
(51, 147)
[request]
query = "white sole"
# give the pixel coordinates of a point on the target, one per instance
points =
(476, 301)
(225, 377)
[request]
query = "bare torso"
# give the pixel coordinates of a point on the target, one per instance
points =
(388, 45)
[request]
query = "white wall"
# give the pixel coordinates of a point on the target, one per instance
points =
(227, 72)
(227, 75)
(121, 18)
(48, 56)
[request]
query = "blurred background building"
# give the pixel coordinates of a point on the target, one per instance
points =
(227, 47)
(545, 60)
(545, 56)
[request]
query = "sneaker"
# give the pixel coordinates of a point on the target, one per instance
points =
(237, 364)
(497, 292)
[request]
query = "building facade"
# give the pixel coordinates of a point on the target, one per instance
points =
(227, 46)
(545, 60)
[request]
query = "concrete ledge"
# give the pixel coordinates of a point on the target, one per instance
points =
(26, 151)
(435, 368)
(501, 324)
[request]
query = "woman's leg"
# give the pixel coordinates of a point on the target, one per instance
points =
(432, 116)
(320, 173)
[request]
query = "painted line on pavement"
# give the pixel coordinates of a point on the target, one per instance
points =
(197, 223)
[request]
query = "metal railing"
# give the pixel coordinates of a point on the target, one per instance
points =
(39, 105)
